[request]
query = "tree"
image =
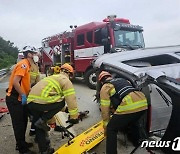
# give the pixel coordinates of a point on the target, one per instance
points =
(8, 53)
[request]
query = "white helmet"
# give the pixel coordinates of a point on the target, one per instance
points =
(30, 49)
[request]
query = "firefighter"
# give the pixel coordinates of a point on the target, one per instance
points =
(47, 98)
(127, 104)
(34, 71)
(16, 98)
(34, 78)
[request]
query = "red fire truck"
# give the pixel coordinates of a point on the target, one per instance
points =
(85, 43)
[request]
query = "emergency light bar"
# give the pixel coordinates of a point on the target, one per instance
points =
(113, 18)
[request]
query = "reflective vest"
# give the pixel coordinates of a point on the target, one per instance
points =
(121, 88)
(121, 99)
(45, 92)
(49, 90)
(132, 106)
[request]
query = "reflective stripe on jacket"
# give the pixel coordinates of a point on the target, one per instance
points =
(34, 74)
(131, 103)
(54, 89)
(52, 84)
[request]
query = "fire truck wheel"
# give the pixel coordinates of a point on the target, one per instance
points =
(90, 78)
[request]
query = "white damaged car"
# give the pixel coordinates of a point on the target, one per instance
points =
(133, 66)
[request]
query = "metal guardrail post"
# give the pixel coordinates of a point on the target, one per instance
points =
(3, 72)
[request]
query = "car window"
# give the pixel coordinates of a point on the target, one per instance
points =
(152, 61)
(178, 53)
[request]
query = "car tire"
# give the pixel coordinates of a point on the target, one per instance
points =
(90, 78)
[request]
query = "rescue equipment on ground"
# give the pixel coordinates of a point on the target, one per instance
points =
(3, 109)
(83, 142)
(2, 100)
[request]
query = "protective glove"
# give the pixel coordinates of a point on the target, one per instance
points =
(83, 115)
(23, 99)
(73, 121)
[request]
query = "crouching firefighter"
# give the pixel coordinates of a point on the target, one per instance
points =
(47, 98)
(127, 104)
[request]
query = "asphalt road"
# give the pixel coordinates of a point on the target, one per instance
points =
(85, 102)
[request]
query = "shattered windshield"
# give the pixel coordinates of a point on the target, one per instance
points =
(129, 39)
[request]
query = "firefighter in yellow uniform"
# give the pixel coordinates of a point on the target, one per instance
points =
(34, 78)
(34, 74)
(127, 104)
(47, 98)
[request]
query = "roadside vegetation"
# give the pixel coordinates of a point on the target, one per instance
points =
(8, 53)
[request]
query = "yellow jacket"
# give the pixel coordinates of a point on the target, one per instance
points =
(34, 73)
(131, 103)
(54, 89)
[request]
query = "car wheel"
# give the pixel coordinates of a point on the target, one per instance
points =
(90, 78)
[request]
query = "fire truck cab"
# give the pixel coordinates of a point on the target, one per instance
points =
(87, 42)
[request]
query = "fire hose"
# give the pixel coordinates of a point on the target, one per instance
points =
(3, 110)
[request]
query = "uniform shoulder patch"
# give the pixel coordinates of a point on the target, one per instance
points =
(23, 66)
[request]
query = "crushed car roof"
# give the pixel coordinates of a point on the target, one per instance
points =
(134, 61)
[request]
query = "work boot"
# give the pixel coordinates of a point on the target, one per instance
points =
(41, 124)
(48, 151)
(47, 140)
(28, 145)
(26, 152)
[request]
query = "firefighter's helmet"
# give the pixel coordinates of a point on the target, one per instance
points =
(104, 74)
(29, 49)
(68, 68)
